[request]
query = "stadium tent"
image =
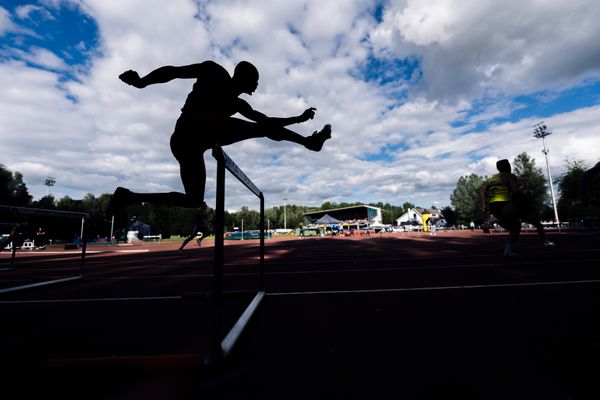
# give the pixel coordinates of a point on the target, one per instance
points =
(327, 219)
(359, 213)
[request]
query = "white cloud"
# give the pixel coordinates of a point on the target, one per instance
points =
(25, 11)
(42, 57)
(6, 23)
(512, 47)
(307, 53)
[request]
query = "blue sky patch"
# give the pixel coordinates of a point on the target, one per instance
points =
(544, 105)
(387, 153)
(67, 32)
(387, 70)
(537, 105)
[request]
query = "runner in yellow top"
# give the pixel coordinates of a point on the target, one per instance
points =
(496, 197)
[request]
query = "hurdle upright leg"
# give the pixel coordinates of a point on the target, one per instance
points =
(220, 350)
(216, 352)
(13, 251)
(262, 242)
(83, 247)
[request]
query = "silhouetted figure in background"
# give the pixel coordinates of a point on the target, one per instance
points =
(206, 120)
(40, 238)
(496, 197)
(199, 228)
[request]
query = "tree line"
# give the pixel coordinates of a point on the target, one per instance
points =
(465, 204)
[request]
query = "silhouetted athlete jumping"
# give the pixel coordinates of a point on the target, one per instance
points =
(206, 120)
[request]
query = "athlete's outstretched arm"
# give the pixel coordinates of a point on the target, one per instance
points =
(161, 75)
(247, 111)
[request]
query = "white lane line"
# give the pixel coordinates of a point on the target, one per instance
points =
(326, 292)
(46, 283)
(230, 340)
(93, 300)
(438, 288)
(504, 265)
(53, 252)
(78, 253)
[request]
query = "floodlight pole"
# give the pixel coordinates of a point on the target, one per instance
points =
(50, 181)
(540, 132)
(284, 214)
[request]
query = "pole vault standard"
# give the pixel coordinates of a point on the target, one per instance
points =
(220, 349)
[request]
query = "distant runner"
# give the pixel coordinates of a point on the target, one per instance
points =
(506, 199)
(200, 228)
(496, 197)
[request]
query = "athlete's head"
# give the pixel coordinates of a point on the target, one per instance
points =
(503, 165)
(245, 77)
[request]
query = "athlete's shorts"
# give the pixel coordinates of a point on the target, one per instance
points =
(498, 207)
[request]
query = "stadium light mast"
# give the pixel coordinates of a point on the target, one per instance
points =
(50, 181)
(284, 214)
(540, 132)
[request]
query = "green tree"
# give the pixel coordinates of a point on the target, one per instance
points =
(250, 218)
(68, 204)
(295, 215)
(328, 205)
(569, 204)
(406, 206)
(532, 179)
(450, 215)
(47, 202)
(275, 216)
(465, 199)
(13, 191)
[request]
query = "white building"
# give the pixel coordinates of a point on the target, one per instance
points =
(416, 215)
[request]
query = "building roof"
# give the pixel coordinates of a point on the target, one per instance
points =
(340, 209)
(328, 219)
(360, 212)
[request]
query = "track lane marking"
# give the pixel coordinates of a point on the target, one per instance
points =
(321, 292)
(438, 288)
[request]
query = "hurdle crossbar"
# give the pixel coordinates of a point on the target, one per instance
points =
(221, 349)
(41, 211)
(27, 212)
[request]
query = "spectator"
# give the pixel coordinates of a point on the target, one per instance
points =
(40, 238)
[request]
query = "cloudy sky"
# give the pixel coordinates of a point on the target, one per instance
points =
(418, 93)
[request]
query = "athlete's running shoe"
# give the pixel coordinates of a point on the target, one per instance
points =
(316, 140)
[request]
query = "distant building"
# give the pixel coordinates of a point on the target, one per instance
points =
(415, 215)
(360, 214)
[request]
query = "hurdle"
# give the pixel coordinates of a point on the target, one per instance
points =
(25, 213)
(221, 348)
